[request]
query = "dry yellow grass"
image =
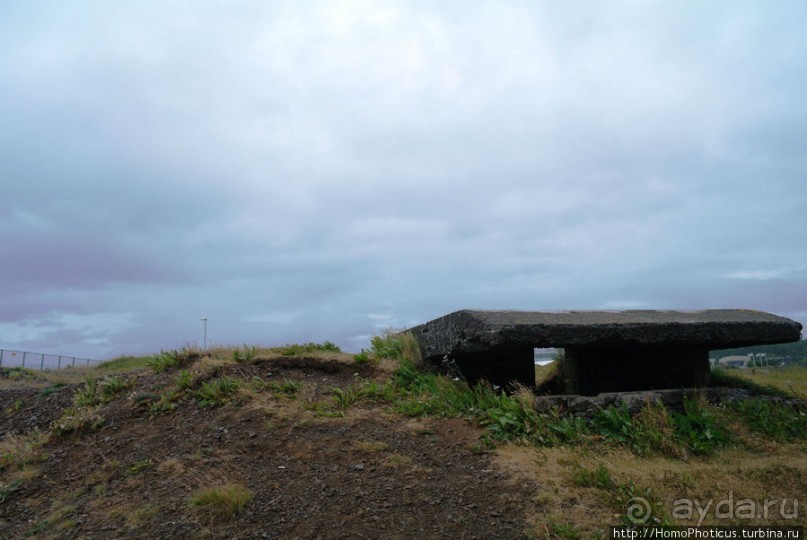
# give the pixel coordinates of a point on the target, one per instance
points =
(688, 492)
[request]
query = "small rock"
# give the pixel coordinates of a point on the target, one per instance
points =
(358, 467)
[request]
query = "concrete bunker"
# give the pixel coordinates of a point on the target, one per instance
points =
(605, 351)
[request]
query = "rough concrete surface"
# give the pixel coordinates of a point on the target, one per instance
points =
(469, 331)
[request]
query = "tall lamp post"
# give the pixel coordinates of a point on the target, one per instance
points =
(204, 320)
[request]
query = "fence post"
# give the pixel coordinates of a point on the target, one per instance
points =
(23, 358)
(1, 357)
(59, 365)
(42, 363)
(88, 361)
(74, 361)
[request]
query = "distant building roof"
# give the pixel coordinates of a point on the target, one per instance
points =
(729, 360)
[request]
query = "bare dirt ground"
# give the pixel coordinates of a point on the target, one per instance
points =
(367, 474)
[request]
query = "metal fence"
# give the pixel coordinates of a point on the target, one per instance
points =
(41, 361)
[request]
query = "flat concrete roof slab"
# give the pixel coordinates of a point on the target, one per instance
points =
(470, 331)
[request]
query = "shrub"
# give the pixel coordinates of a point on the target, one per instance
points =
(394, 345)
(387, 345)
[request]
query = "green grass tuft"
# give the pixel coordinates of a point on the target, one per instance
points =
(782, 422)
(124, 363)
(222, 501)
(296, 349)
(217, 392)
(173, 359)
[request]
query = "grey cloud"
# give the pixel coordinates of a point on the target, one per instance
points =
(312, 171)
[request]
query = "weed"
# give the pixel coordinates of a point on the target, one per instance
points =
(165, 403)
(15, 408)
(87, 396)
(7, 489)
(364, 358)
(387, 345)
(161, 362)
(222, 501)
(394, 461)
(780, 421)
(699, 428)
(18, 451)
(110, 386)
(171, 359)
(344, 399)
(124, 363)
(184, 380)
(483, 446)
(139, 516)
(597, 478)
(144, 396)
(56, 517)
(18, 373)
(287, 388)
(298, 349)
(638, 507)
(217, 392)
(95, 392)
(247, 356)
(52, 389)
(371, 446)
(76, 420)
(615, 423)
(410, 349)
(650, 430)
(655, 432)
(139, 466)
(563, 530)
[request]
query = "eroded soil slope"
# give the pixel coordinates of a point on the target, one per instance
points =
(131, 464)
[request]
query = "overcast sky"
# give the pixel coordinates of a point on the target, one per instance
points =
(310, 171)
